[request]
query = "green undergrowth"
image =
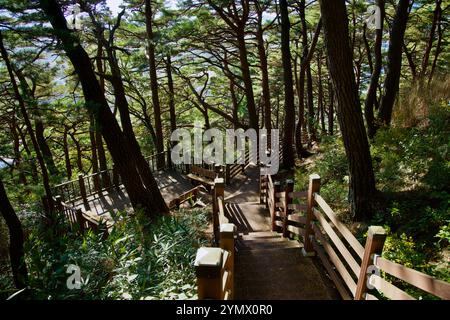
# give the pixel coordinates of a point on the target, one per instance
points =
(139, 259)
(412, 170)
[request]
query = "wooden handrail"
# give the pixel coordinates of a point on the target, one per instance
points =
(346, 260)
(418, 279)
(348, 235)
(190, 194)
(215, 267)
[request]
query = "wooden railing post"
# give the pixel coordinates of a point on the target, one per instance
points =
(115, 177)
(287, 201)
(374, 245)
(83, 191)
(227, 232)
(218, 191)
(96, 178)
(80, 220)
(227, 174)
(58, 204)
(218, 170)
(314, 186)
(263, 189)
(276, 189)
(169, 158)
(208, 268)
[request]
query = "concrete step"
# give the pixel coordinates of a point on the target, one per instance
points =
(275, 257)
(265, 245)
(260, 234)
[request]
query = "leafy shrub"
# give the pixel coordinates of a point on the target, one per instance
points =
(139, 259)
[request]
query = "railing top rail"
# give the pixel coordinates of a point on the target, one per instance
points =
(418, 279)
(348, 235)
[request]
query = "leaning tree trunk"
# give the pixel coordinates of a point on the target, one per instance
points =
(173, 118)
(289, 108)
(436, 20)
(106, 181)
(362, 181)
(16, 252)
(154, 84)
(394, 65)
(29, 127)
(371, 96)
(245, 68)
(30, 100)
(121, 150)
(264, 75)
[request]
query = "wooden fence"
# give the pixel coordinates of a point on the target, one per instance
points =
(215, 265)
(78, 221)
(355, 269)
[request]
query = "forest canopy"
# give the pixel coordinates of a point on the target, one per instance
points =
(359, 91)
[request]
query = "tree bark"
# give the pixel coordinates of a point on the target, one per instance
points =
(16, 252)
(436, 19)
(264, 73)
(31, 101)
(66, 154)
(361, 176)
(123, 154)
(154, 83)
(94, 158)
(438, 48)
(106, 181)
(173, 119)
(289, 108)
(394, 64)
(306, 58)
(29, 127)
(371, 96)
(331, 108)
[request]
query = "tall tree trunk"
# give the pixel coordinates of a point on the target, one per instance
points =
(362, 180)
(173, 119)
(289, 108)
(66, 154)
(154, 83)
(310, 100)
(245, 69)
(320, 106)
(411, 62)
(16, 252)
(394, 64)
(43, 145)
(306, 58)
(371, 96)
(264, 74)
(94, 158)
(436, 19)
(331, 108)
(32, 164)
(438, 48)
(123, 154)
(234, 102)
(29, 127)
(106, 180)
(17, 154)
(79, 152)
(31, 101)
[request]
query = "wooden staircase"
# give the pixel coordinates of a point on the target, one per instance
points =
(270, 267)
